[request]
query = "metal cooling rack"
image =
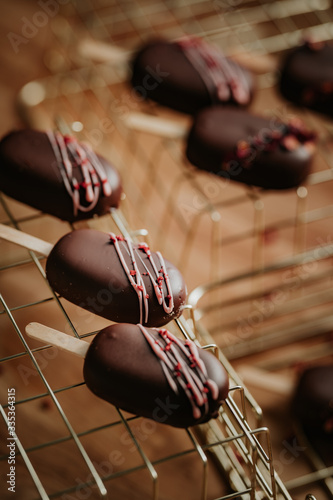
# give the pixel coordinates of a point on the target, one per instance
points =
(93, 99)
(243, 453)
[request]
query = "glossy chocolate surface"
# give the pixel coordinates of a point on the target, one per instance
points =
(307, 77)
(116, 279)
(171, 75)
(31, 173)
(312, 408)
(237, 145)
(122, 368)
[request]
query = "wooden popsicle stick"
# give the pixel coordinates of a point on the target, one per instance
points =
(56, 338)
(103, 52)
(155, 125)
(271, 382)
(259, 64)
(25, 240)
(99, 51)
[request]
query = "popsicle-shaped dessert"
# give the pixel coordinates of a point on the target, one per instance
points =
(184, 74)
(148, 372)
(58, 175)
(189, 74)
(251, 149)
(306, 77)
(312, 409)
(110, 276)
(235, 144)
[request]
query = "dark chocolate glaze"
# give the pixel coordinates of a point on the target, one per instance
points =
(84, 268)
(217, 133)
(307, 77)
(312, 408)
(121, 368)
(162, 72)
(29, 173)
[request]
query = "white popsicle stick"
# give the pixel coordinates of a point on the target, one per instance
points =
(259, 64)
(271, 382)
(99, 51)
(59, 339)
(25, 240)
(155, 125)
(103, 52)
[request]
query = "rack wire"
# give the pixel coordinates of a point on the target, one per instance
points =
(230, 440)
(288, 255)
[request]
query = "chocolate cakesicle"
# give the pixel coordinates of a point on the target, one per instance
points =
(189, 74)
(312, 408)
(114, 278)
(306, 77)
(148, 372)
(109, 275)
(58, 175)
(255, 150)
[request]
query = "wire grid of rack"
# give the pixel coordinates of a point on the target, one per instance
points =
(92, 99)
(243, 453)
(230, 440)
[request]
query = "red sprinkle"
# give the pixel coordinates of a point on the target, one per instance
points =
(290, 142)
(327, 87)
(46, 404)
(328, 425)
(144, 247)
(69, 138)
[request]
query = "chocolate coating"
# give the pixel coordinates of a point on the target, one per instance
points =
(29, 173)
(312, 408)
(307, 77)
(163, 73)
(121, 368)
(84, 268)
(251, 149)
(313, 399)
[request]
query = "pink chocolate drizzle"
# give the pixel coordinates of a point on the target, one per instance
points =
(183, 368)
(289, 137)
(71, 155)
(223, 79)
(157, 276)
